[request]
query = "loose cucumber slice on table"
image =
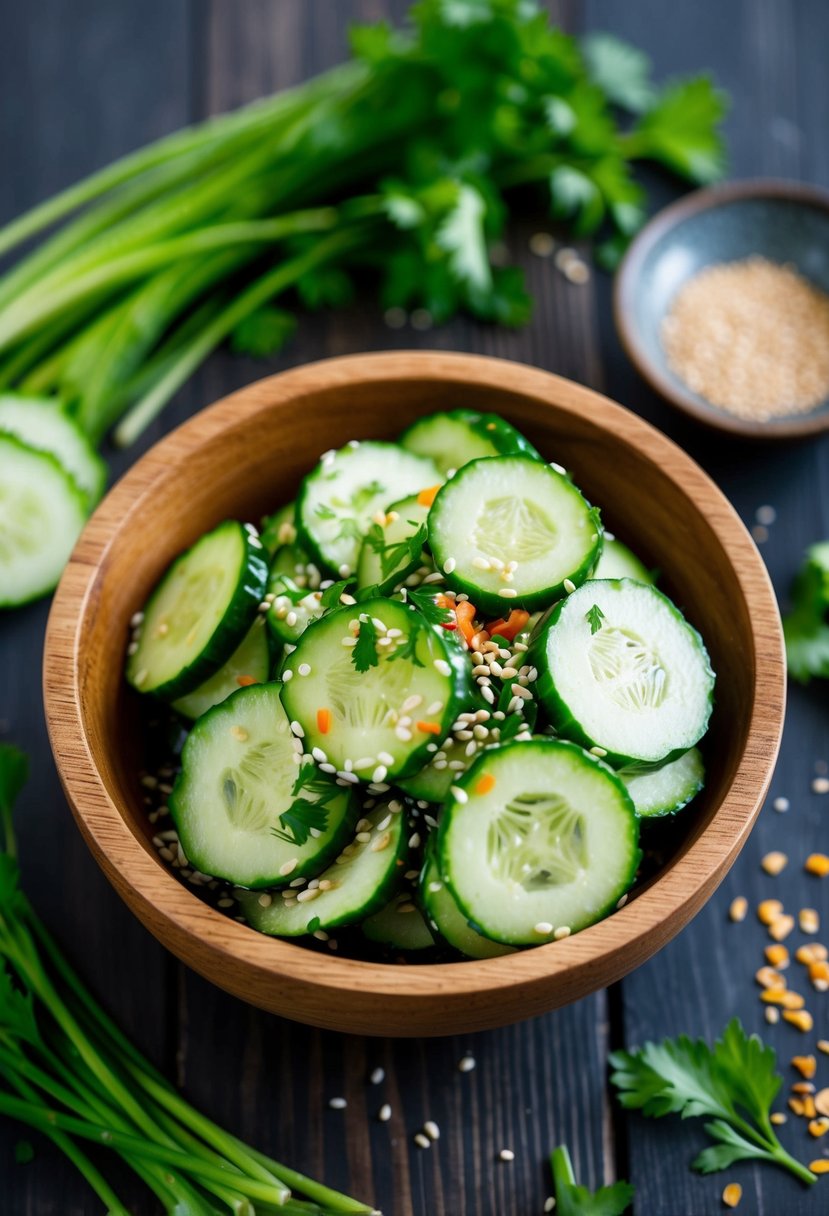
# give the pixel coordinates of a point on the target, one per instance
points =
(244, 808)
(399, 924)
(42, 424)
(338, 499)
(511, 532)
(358, 883)
(199, 612)
(621, 670)
(375, 689)
(392, 549)
(42, 511)
(279, 529)
(458, 436)
(667, 789)
(618, 561)
(537, 836)
(448, 920)
(249, 664)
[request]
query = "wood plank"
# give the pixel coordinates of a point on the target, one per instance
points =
(82, 84)
(768, 57)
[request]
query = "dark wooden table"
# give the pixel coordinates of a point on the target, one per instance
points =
(80, 84)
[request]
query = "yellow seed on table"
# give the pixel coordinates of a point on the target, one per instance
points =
(792, 1000)
(732, 1194)
(777, 1118)
(777, 956)
(800, 1018)
(738, 909)
(772, 1015)
(809, 1110)
(819, 971)
(774, 863)
(818, 1127)
(822, 1102)
(769, 910)
(823, 1045)
(781, 927)
(814, 952)
(805, 1065)
(767, 977)
(796, 1106)
(809, 920)
(821, 1166)
(817, 864)
(803, 1087)
(773, 996)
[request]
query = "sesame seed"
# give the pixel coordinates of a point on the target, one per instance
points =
(225, 903)
(384, 1113)
(287, 675)
(543, 928)
(414, 841)
(379, 773)
(422, 1141)
(569, 586)
(442, 667)
(265, 900)
(449, 565)
(781, 804)
(132, 648)
(466, 1064)
(549, 1203)
(506, 1154)
(378, 1076)
(304, 669)
(820, 785)
(524, 694)
(319, 755)
(137, 619)
(337, 1103)
(598, 751)
(309, 894)
(508, 593)
(561, 932)
(620, 903)
(431, 1129)
(296, 727)
(458, 794)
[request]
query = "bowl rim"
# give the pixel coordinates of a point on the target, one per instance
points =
(174, 913)
(627, 278)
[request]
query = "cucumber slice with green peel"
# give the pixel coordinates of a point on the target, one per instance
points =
(667, 789)
(537, 836)
(432, 782)
(249, 664)
(511, 532)
(448, 921)
(42, 424)
(279, 529)
(237, 804)
(292, 609)
(359, 883)
(618, 561)
(399, 924)
(458, 436)
(338, 499)
(376, 723)
(42, 512)
(199, 612)
(621, 670)
(393, 549)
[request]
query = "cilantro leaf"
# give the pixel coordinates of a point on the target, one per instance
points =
(806, 627)
(394, 555)
(594, 617)
(681, 130)
(364, 654)
(575, 1200)
(17, 1017)
(408, 650)
(575, 197)
(264, 332)
(461, 235)
(622, 71)
(330, 597)
(734, 1082)
(424, 601)
(310, 809)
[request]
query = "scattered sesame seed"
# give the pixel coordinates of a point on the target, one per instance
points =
(384, 1113)
(337, 1103)
(543, 928)
(772, 1015)
(466, 1064)
(541, 244)
(378, 1076)
(442, 667)
(460, 795)
(508, 593)
(225, 903)
(296, 727)
(449, 565)
(549, 1203)
(561, 932)
(414, 840)
(431, 1129)
(569, 586)
(506, 1154)
(781, 804)
(422, 1141)
(265, 900)
(820, 785)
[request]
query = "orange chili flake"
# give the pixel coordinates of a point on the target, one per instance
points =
(426, 497)
(323, 721)
(512, 626)
(429, 728)
(486, 783)
(465, 615)
(246, 681)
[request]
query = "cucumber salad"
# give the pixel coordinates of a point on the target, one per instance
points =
(432, 708)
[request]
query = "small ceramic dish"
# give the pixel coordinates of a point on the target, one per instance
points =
(245, 456)
(785, 222)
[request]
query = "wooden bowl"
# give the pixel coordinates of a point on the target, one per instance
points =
(246, 455)
(785, 222)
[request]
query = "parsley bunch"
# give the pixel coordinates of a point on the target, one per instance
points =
(401, 164)
(806, 626)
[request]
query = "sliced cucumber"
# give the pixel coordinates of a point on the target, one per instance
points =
(458, 436)
(377, 722)
(358, 883)
(292, 608)
(511, 532)
(236, 805)
(432, 782)
(338, 499)
(538, 836)
(618, 561)
(199, 612)
(399, 924)
(279, 529)
(42, 424)
(620, 669)
(249, 664)
(667, 789)
(42, 511)
(448, 920)
(394, 548)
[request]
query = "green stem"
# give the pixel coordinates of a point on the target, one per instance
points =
(336, 1201)
(253, 297)
(562, 1169)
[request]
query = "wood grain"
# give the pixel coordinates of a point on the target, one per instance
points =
(226, 463)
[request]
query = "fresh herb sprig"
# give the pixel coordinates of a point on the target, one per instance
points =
(394, 555)
(67, 1071)
(733, 1084)
(806, 626)
(574, 1200)
(312, 793)
(594, 617)
(364, 653)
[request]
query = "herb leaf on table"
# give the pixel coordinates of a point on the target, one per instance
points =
(574, 1200)
(806, 626)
